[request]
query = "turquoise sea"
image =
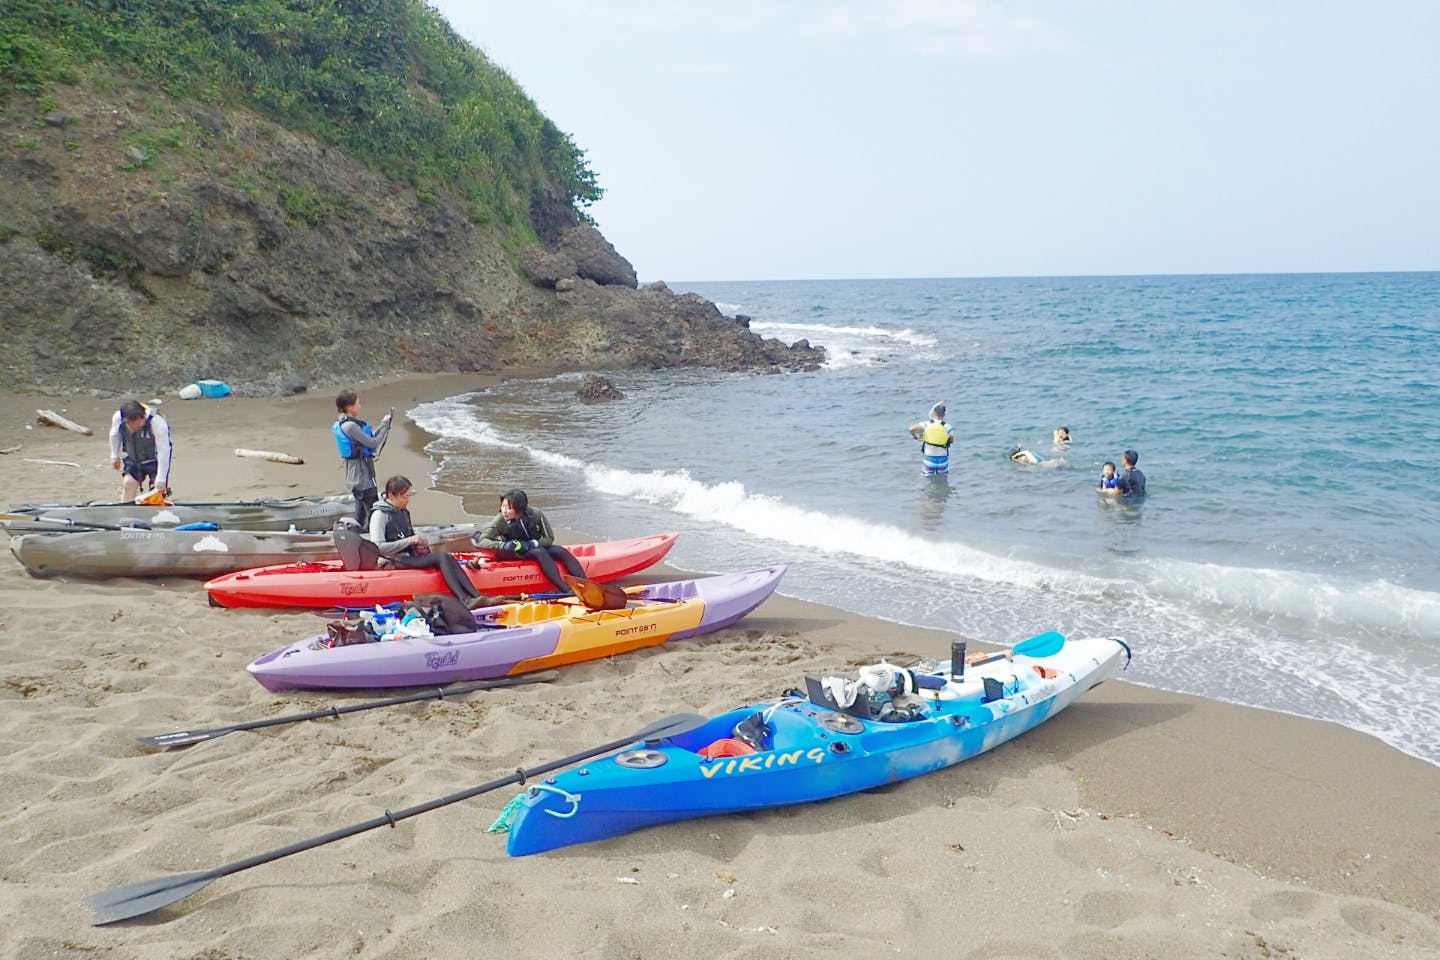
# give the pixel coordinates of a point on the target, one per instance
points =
(1289, 426)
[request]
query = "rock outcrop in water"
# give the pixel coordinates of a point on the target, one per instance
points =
(596, 387)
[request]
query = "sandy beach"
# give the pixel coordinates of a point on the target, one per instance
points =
(1137, 824)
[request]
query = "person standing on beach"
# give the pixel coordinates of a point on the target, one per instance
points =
(1131, 484)
(357, 445)
(140, 449)
(393, 533)
(935, 436)
(521, 531)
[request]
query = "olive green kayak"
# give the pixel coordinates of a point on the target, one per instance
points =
(301, 513)
(134, 552)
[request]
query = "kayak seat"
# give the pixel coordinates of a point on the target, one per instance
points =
(818, 695)
(597, 596)
(536, 611)
(754, 731)
(356, 553)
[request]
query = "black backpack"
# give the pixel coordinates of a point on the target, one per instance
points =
(444, 613)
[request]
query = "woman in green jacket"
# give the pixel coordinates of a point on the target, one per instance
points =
(520, 530)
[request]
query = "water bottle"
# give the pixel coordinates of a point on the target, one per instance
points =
(957, 660)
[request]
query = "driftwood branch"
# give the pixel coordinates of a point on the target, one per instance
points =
(268, 455)
(55, 420)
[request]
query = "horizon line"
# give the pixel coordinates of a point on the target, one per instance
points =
(1054, 276)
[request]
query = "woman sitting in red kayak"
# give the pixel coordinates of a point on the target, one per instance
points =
(395, 536)
(520, 530)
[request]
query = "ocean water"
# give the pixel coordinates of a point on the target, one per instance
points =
(1289, 427)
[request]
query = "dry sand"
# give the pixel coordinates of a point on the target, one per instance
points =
(1135, 824)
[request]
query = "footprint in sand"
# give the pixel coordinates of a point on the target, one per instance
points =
(1285, 905)
(1109, 909)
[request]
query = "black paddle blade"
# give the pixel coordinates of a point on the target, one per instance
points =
(670, 726)
(137, 899)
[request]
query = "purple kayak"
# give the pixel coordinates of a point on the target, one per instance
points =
(515, 638)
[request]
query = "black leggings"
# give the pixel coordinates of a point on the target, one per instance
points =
(365, 498)
(546, 557)
(449, 568)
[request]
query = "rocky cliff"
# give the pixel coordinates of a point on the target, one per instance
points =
(146, 242)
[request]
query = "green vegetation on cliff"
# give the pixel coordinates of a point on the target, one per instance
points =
(388, 81)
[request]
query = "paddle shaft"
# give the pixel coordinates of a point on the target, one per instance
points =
(381, 449)
(184, 738)
(337, 611)
(519, 776)
(1043, 645)
(133, 900)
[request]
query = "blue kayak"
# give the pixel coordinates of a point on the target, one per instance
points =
(837, 736)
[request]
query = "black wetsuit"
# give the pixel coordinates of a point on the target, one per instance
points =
(537, 542)
(398, 527)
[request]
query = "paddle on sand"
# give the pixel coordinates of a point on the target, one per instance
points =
(137, 899)
(184, 738)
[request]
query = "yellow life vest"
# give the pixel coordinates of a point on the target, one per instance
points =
(936, 434)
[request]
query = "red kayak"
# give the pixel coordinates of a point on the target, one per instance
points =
(325, 583)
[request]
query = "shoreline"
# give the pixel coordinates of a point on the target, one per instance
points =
(1261, 824)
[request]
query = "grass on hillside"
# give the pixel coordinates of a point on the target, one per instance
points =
(386, 80)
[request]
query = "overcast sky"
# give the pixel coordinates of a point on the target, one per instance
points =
(741, 140)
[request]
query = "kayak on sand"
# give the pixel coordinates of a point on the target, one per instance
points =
(835, 737)
(302, 513)
(327, 584)
(137, 552)
(516, 638)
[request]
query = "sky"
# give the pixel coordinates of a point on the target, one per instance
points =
(828, 139)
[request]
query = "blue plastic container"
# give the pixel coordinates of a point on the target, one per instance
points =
(213, 388)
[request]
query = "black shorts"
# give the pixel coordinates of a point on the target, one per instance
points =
(142, 472)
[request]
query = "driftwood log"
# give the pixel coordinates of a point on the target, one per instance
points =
(268, 455)
(54, 419)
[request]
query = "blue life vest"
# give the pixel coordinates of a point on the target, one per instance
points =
(349, 449)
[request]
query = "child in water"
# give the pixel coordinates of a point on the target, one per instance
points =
(1109, 482)
(1021, 455)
